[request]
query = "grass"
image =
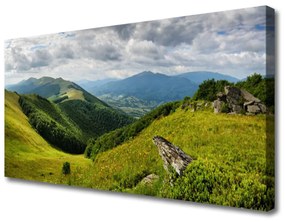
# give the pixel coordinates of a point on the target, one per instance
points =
(28, 155)
(230, 145)
(69, 94)
(229, 153)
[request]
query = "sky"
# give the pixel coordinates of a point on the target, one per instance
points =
(230, 42)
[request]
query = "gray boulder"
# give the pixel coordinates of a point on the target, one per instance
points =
(172, 156)
(218, 106)
(238, 101)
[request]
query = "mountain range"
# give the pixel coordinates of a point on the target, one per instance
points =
(57, 90)
(135, 95)
(149, 86)
(200, 76)
(140, 93)
(74, 111)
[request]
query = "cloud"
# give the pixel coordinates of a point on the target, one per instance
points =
(40, 58)
(144, 49)
(230, 42)
(169, 32)
(16, 60)
(125, 31)
(64, 52)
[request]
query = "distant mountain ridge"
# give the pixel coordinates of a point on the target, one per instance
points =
(200, 76)
(149, 86)
(89, 84)
(135, 95)
(150, 89)
(57, 90)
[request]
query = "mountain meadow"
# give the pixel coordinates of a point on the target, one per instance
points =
(58, 132)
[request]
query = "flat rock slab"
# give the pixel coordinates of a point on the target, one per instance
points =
(171, 155)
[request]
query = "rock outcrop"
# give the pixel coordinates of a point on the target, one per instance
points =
(235, 100)
(149, 179)
(171, 155)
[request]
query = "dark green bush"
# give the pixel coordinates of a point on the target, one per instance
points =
(209, 88)
(66, 168)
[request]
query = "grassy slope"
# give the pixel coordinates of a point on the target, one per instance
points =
(28, 155)
(202, 135)
(230, 145)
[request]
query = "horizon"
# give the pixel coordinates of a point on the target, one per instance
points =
(116, 79)
(230, 43)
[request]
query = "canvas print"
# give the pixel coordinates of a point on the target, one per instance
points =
(179, 108)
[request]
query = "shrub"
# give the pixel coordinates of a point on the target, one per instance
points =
(209, 88)
(66, 168)
(208, 182)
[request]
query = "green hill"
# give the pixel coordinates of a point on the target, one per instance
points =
(68, 125)
(57, 90)
(28, 155)
(233, 161)
(48, 120)
(77, 113)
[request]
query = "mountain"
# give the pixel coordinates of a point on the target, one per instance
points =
(200, 76)
(56, 90)
(150, 87)
(89, 85)
(74, 111)
(142, 92)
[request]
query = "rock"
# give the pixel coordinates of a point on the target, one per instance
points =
(238, 101)
(171, 155)
(149, 179)
(218, 106)
(248, 103)
(236, 108)
(233, 97)
(262, 107)
(249, 97)
(253, 109)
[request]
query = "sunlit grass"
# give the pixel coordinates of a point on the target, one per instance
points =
(229, 154)
(27, 154)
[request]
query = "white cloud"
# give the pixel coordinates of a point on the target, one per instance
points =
(226, 42)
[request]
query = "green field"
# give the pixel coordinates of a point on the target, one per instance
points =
(230, 166)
